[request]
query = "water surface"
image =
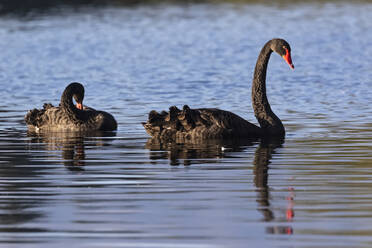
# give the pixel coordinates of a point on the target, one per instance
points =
(123, 190)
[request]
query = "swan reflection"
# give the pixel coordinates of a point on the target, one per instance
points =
(195, 152)
(71, 144)
(204, 151)
(262, 158)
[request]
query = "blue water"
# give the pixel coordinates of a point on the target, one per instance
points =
(121, 190)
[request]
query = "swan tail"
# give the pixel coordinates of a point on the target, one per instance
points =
(35, 118)
(155, 123)
(175, 122)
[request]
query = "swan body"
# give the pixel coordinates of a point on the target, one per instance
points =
(203, 123)
(211, 123)
(67, 117)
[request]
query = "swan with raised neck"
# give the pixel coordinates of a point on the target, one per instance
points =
(210, 123)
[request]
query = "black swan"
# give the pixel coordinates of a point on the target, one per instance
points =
(211, 123)
(67, 117)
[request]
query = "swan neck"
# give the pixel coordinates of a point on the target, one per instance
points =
(68, 106)
(262, 110)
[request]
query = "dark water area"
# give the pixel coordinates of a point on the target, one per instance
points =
(122, 189)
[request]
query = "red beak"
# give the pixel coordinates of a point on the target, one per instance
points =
(79, 105)
(288, 59)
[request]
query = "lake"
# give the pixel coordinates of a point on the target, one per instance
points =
(121, 189)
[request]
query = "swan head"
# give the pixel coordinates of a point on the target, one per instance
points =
(77, 90)
(282, 48)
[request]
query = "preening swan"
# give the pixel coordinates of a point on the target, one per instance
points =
(211, 123)
(67, 117)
